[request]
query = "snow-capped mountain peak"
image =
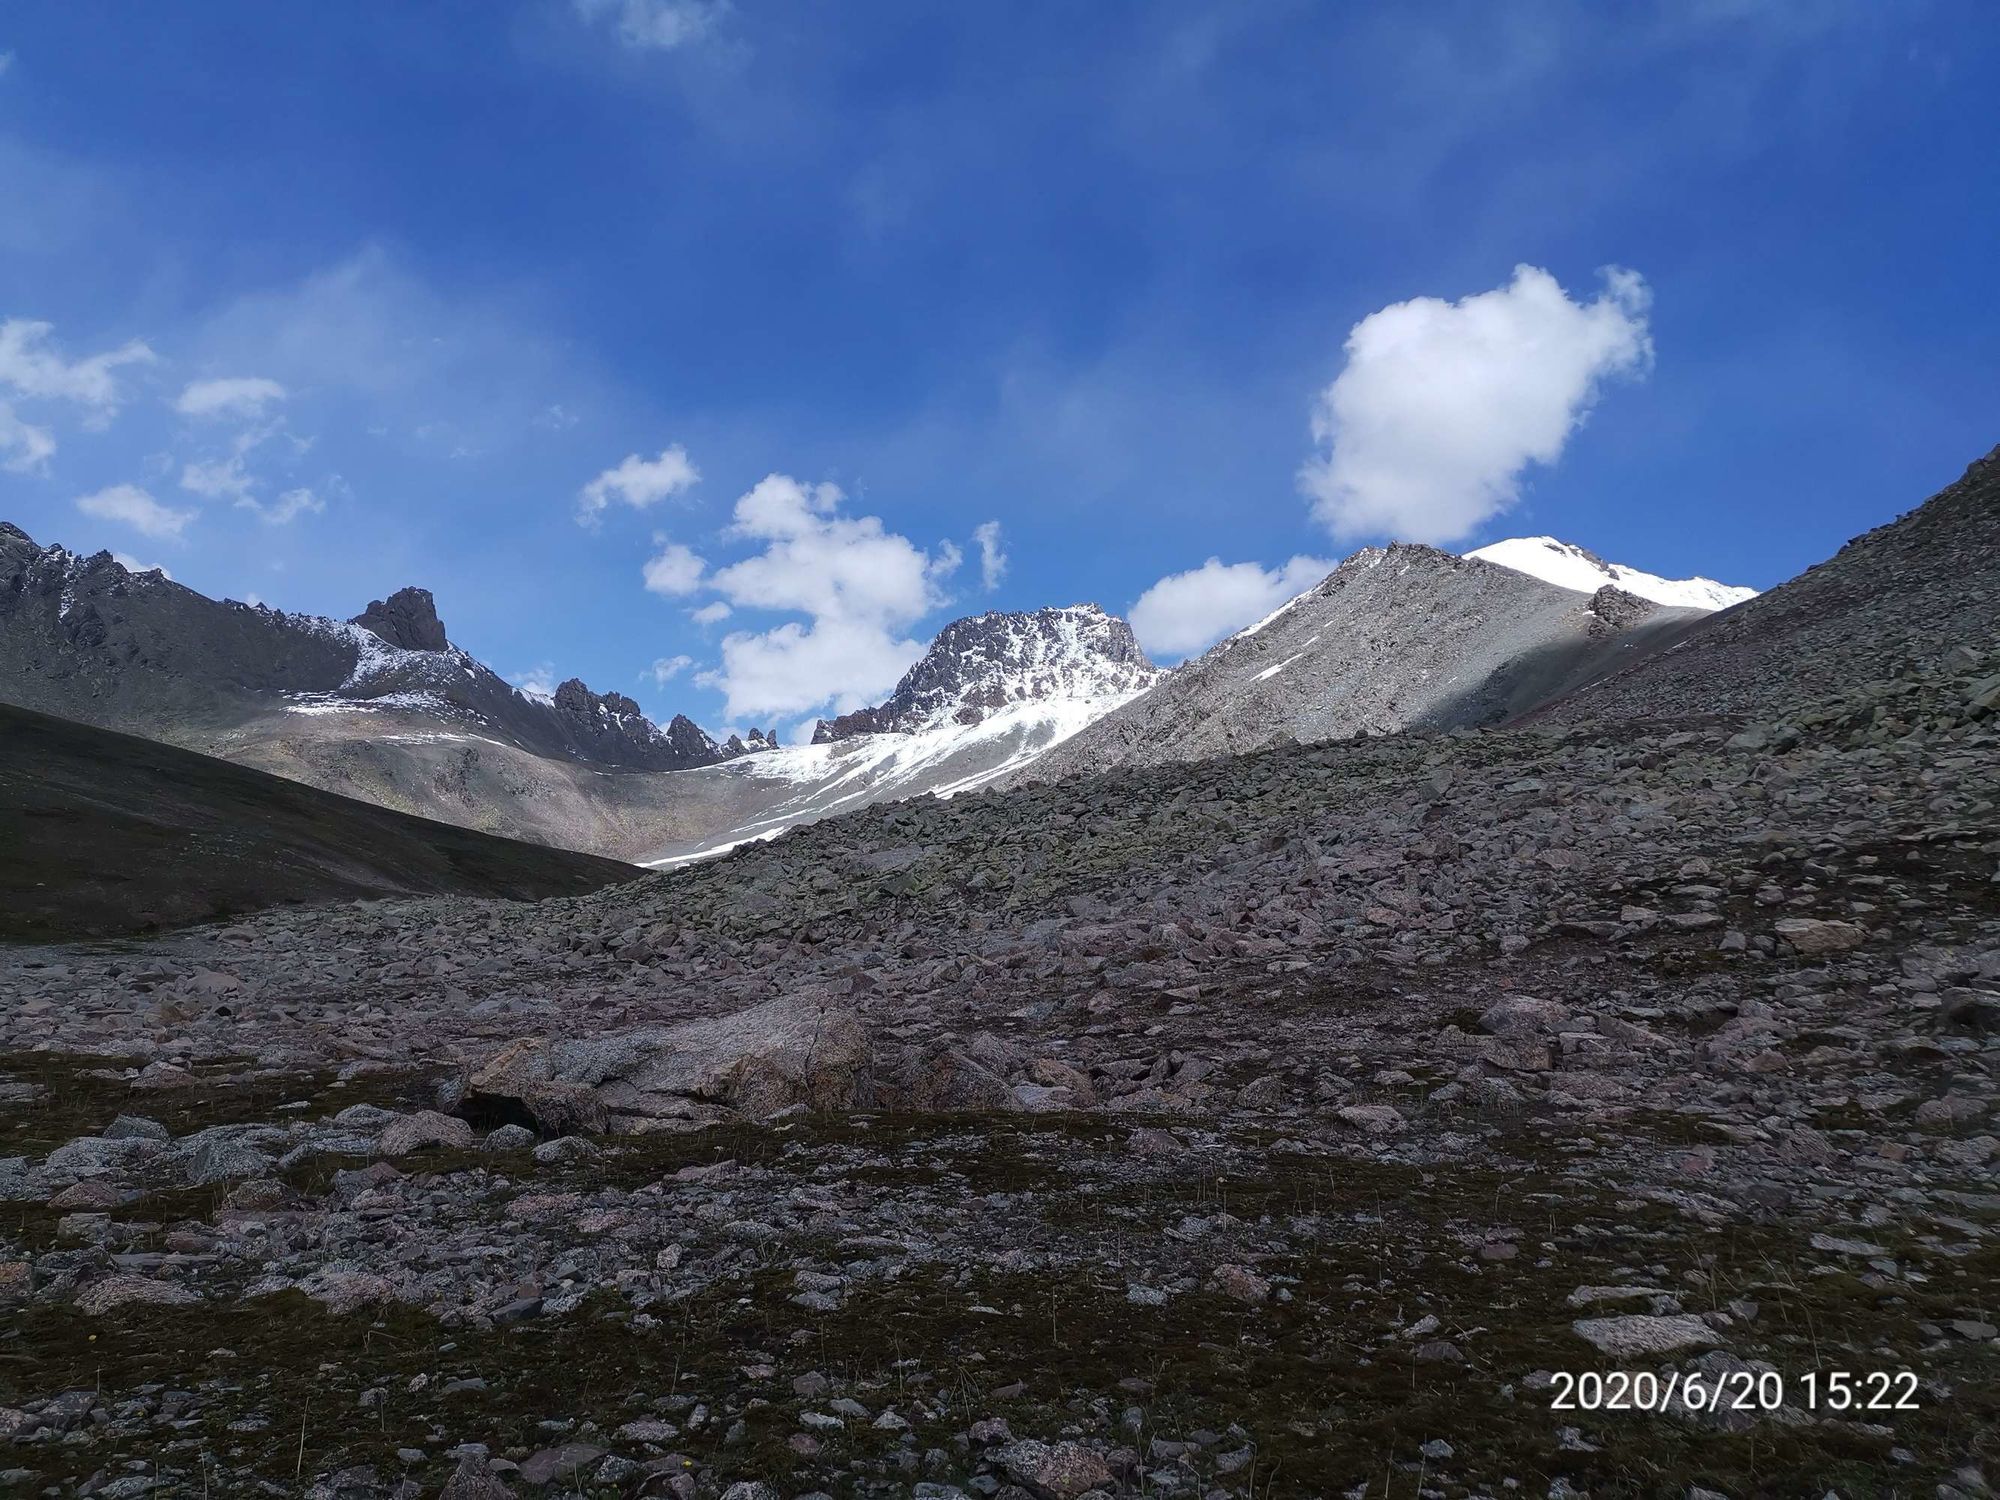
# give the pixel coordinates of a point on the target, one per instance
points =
(993, 692)
(983, 664)
(1569, 566)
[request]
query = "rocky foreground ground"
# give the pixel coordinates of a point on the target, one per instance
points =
(1287, 1125)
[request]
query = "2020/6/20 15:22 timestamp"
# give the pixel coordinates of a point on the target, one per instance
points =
(1733, 1390)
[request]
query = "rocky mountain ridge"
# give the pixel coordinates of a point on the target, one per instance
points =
(386, 708)
(86, 638)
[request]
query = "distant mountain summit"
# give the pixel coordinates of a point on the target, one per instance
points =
(1569, 566)
(1396, 637)
(983, 664)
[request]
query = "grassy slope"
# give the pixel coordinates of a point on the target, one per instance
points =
(103, 834)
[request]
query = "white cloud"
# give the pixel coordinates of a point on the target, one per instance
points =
(667, 668)
(708, 614)
(821, 563)
(1441, 404)
(131, 506)
(24, 447)
(638, 482)
(859, 583)
(6, 62)
(30, 366)
(232, 396)
(655, 25)
(798, 667)
(675, 570)
(1188, 612)
(992, 557)
(287, 508)
(132, 564)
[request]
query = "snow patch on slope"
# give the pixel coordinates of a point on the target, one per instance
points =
(1569, 566)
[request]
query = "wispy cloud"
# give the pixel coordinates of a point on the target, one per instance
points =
(637, 482)
(992, 556)
(654, 25)
(667, 668)
(24, 447)
(231, 396)
(288, 507)
(674, 570)
(128, 505)
(31, 366)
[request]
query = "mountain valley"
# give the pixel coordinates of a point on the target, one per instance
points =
(1277, 1115)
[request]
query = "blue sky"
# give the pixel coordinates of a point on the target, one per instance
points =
(306, 302)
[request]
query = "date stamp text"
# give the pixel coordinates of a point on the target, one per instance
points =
(1735, 1390)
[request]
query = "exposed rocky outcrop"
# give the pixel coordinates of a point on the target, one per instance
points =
(85, 638)
(407, 619)
(992, 693)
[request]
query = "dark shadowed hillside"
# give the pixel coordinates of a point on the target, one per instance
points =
(106, 834)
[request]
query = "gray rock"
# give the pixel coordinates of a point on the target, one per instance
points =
(509, 1138)
(136, 1128)
(422, 1130)
(1811, 937)
(114, 1292)
(755, 1063)
(564, 1462)
(1058, 1471)
(1372, 1119)
(223, 1159)
(1641, 1336)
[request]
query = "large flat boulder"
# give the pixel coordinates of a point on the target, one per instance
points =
(748, 1065)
